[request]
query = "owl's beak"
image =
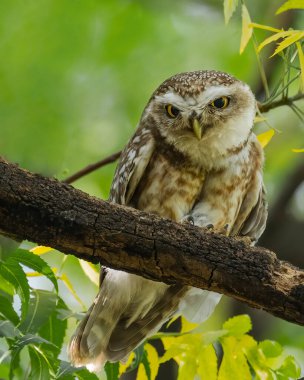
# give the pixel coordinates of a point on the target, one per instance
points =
(197, 129)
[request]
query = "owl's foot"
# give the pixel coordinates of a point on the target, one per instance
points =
(188, 219)
(219, 230)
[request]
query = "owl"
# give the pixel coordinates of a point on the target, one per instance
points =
(193, 159)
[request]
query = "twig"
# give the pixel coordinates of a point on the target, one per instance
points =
(265, 107)
(90, 168)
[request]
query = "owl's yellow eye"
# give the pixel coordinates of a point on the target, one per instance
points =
(221, 102)
(172, 111)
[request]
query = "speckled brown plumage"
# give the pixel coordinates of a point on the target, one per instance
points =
(202, 164)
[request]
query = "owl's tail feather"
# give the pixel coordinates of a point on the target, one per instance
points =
(118, 322)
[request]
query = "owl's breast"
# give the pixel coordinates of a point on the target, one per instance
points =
(167, 188)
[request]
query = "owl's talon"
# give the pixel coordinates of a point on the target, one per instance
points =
(210, 226)
(188, 220)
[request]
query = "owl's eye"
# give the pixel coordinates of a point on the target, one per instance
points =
(221, 102)
(172, 111)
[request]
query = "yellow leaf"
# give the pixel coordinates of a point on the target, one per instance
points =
(274, 37)
(291, 4)
(90, 271)
(152, 359)
(33, 274)
(234, 364)
(301, 60)
(124, 367)
(207, 363)
(295, 36)
(64, 278)
(265, 137)
(298, 150)
(187, 326)
(40, 250)
(246, 28)
(141, 373)
(264, 27)
(229, 8)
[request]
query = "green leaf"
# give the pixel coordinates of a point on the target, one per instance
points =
(257, 360)
(207, 368)
(238, 326)
(4, 370)
(112, 371)
(40, 369)
(28, 339)
(234, 364)
(291, 4)
(8, 330)
(7, 310)
(289, 369)
(6, 287)
(146, 365)
(14, 364)
(42, 305)
(36, 263)
(14, 274)
(66, 372)
(54, 330)
(229, 8)
(84, 374)
(270, 348)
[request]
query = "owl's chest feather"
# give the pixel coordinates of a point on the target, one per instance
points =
(168, 189)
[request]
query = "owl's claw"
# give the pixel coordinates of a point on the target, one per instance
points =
(188, 220)
(210, 226)
(219, 230)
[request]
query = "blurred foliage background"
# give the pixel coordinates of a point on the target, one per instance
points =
(76, 75)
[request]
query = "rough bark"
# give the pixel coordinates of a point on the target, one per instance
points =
(55, 214)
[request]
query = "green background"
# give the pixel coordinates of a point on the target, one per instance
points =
(76, 75)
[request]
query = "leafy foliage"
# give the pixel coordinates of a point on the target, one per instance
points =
(196, 353)
(38, 328)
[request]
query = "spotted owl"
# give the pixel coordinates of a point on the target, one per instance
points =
(193, 158)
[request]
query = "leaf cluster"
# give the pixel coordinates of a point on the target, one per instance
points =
(33, 322)
(199, 355)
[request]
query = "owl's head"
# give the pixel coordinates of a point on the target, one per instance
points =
(203, 112)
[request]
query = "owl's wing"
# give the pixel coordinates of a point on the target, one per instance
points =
(255, 223)
(133, 162)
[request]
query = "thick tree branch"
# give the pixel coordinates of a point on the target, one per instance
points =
(51, 213)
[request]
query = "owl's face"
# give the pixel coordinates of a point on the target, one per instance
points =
(203, 112)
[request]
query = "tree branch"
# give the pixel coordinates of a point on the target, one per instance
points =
(90, 168)
(265, 107)
(54, 214)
